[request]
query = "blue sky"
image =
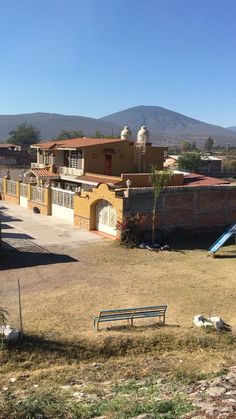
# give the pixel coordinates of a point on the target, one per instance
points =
(96, 57)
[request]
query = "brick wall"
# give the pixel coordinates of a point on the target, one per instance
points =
(192, 209)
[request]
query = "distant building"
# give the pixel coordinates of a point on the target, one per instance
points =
(209, 164)
(14, 155)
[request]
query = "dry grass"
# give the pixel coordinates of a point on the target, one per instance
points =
(58, 301)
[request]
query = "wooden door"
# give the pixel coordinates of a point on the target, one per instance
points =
(108, 165)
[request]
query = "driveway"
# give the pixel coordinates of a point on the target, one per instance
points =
(21, 224)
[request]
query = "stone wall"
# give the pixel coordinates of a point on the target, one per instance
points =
(82, 222)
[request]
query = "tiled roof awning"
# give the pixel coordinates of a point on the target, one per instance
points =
(43, 173)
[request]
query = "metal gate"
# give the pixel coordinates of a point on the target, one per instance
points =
(23, 195)
(63, 204)
(106, 218)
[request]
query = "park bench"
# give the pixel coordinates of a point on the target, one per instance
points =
(130, 314)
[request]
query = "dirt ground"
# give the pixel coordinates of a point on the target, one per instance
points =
(63, 285)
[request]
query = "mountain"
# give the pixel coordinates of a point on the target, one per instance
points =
(166, 126)
(232, 129)
(51, 124)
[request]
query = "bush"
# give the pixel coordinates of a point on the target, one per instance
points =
(130, 229)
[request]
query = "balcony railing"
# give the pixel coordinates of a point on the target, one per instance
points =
(70, 171)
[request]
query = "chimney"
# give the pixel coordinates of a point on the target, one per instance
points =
(143, 136)
(126, 133)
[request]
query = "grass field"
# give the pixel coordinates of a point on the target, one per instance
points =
(59, 299)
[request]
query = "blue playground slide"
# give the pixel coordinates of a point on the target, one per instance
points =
(223, 238)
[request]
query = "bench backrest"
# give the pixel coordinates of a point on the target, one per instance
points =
(133, 312)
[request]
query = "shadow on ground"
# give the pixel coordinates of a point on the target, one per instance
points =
(7, 218)
(225, 256)
(20, 236)
(202, 241)
(40, 350)
(14, 259)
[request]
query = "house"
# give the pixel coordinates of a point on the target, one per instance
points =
(14, 155)
(93, 183)
(73, 163)
(209, 164)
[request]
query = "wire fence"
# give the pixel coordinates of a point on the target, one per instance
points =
(11, 187)
(23, 190)
(37, 194)
(63, 198)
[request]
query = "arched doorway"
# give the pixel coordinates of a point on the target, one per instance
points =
(106, 217)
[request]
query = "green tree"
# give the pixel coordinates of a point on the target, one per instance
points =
(186, 146)
(208, 145)
(66, 134)
(158, 180)
(190, 161)
(24, 134)
(98, 134)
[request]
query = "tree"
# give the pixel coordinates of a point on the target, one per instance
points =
(190, 161)
(186, 146)
(158, 180)
(66, 134)
(24, 134)
(208, 145)
(98, 134)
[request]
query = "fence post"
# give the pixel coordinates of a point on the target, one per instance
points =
(29, 194)
(18, 191)
(4, 185)
(48, 199)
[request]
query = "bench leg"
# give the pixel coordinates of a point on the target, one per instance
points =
(95, 324)
(132, 322)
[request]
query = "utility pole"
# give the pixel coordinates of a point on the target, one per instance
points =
(20, 310)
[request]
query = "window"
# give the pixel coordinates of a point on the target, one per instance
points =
(75, 159)
(46, 158)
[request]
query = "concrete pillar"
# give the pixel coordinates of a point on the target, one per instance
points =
(48, 200)
(4, 185)
(18, 191)
(29, 194)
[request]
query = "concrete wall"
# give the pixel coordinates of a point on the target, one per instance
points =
(123, 158)
(85, 206)
(143, 179)
(192, 209)
(45, 207)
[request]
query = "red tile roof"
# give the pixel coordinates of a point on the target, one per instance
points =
(44, 173)
(194, 179)
(76, 143)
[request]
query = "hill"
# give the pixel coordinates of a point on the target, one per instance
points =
(232, 129)
(51, 124)
(168, 126)
(165, 126)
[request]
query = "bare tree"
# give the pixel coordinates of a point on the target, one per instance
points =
(158, 180)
